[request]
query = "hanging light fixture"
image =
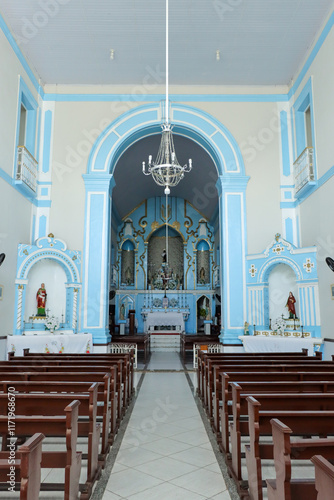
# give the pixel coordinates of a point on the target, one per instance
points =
(166, 170)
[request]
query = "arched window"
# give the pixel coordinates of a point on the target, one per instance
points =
(128, 263)
(203, 263)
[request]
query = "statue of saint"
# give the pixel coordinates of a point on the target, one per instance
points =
(41, 300)
(290, 304)
(202, 274)
(122, 312)
(164, 256)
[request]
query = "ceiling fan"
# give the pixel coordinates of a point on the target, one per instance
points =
(330, 263)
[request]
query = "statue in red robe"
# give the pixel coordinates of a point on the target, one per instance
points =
(41, 300)
(291, 306)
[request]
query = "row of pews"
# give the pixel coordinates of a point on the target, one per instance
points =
(79, 399)
(272, 412)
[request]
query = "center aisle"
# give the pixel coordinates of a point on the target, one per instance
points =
(165, 453)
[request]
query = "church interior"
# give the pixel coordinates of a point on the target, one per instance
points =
(166, 179)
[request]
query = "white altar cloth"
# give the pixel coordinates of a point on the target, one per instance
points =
(81, 343)
(162, 318)
(259, 343)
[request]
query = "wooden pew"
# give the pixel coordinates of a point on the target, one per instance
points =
(324, 477)
(65, 425)
(270, 401)
(187, 342)
(285, 452)
(21, 469)
(55, 387)
(79, 367)
(213, 387)
(203, 357)
(273, 383)
(257, 364)
(64, 377)
(142, 341)
(303, 422)
(36, 404)
(207, 361)
(123, 362)
(99, 357)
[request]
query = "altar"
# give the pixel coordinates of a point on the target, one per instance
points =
(164, 320)
(261, 343)
(50, 343)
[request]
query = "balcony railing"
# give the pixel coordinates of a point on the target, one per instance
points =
(26, 169)
(303, 169)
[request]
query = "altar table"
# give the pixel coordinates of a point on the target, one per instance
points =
(259, 343)
(41, 343)
(162, 319)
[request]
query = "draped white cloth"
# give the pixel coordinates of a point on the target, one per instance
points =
(278, 344)
(81, 343)
(162, 318)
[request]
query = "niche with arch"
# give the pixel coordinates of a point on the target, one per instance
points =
(128, 263)
(203, 263)
(155, 249)
(281, 281)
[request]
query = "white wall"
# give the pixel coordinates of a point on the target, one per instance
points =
(15, 210)
(15, 221)
(316, 211)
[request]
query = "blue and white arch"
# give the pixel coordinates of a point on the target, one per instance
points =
(225, 153)
(52, 249)
(303, 262)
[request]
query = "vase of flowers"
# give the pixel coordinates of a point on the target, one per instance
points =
(51, 323)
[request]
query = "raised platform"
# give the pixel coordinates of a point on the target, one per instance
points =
(165, 341)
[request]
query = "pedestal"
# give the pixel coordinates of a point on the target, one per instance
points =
(207, 326)
(122, 323)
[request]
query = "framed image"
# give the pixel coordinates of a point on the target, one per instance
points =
(332, 292)
(1, 291)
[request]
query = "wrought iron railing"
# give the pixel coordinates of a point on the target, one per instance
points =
(303, 169)
(26, 168)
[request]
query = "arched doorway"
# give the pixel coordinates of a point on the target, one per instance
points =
(231, 184)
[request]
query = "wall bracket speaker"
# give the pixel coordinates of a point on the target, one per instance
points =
(330, 263)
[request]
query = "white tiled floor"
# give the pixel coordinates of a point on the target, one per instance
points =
(165, 453)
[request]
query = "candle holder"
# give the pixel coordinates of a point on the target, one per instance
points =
(302, 332)
(269, 323)
(32, 321)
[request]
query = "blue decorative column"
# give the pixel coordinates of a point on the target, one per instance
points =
(233, 250)
(95, 283)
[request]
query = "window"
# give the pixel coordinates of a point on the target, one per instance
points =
(25, 163)
(304, 166)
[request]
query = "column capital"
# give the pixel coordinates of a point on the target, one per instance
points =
(231, 183)
(103, 182)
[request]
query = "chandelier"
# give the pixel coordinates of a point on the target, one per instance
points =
(166, 170)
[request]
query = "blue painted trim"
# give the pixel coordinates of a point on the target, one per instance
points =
(6, 177)
(19, 55)
(289, 230)
(47, 141)
(42, 226)
(44, 183)
(33, 229)
(288, 204)
(44, 191)
(324, 178)
(42, 203)
(287, 186)
(298, 231)
(288, 195)
(161, 97)
(312, 56)
(285, 144)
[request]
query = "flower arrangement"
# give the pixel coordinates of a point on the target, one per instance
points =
(51, 323)
(279, 325)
